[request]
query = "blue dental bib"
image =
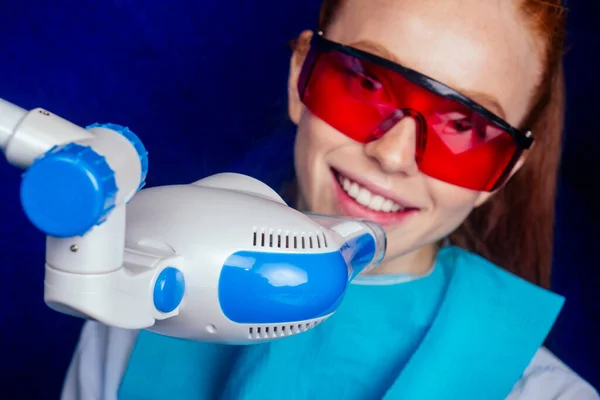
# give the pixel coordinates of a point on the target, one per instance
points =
(466, 331)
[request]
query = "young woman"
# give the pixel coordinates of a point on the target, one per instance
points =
(440, 120)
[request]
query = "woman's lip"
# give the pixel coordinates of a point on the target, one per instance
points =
(374, 189)
(351, 208)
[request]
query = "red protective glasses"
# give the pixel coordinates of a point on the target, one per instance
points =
(363, 96)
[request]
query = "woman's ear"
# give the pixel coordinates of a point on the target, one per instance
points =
(300, 52)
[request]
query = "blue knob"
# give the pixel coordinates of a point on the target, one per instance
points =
(68, 191)
(169, 289)
(135, 141)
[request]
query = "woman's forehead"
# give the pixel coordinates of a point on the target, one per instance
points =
(474, 46)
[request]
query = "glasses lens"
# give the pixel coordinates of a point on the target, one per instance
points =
(364, 100)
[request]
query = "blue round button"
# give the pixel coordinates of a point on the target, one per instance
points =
(168, 290)
(68, 191)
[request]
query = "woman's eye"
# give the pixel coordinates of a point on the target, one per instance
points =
(455, 123)
(461, 125)
(367, 82)
(370, 83)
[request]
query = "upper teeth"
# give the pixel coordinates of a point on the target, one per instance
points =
(364, 197)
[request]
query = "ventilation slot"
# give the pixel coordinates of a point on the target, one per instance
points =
(278, 331)
(288, 240)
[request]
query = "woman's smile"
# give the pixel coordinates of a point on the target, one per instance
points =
(356, 197)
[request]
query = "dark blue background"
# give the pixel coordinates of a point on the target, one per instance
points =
(202, 83)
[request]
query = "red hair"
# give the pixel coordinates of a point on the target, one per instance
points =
(515, 228)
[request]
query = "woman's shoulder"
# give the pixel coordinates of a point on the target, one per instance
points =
(530, 308)
(99, 363)
(547, 377)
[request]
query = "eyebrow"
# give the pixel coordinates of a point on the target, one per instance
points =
(375, 48)
(486, 100)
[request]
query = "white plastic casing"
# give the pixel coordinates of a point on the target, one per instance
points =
(194, 228)
(36, 132)
(206, 222)
(10, 117)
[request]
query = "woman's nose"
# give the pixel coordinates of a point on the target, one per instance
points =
(395, 150)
